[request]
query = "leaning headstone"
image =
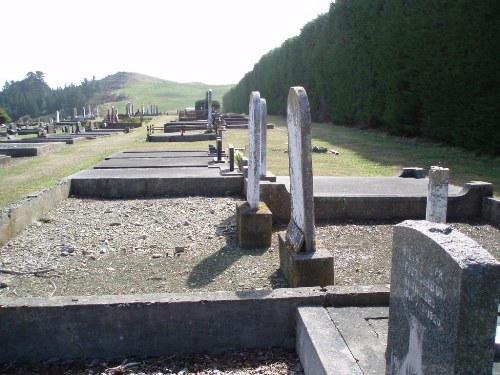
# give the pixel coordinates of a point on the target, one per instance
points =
(443, 302)
(301, 262)
(437, 195)
(253, 217)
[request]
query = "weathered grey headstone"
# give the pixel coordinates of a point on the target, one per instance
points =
(301, 173)
(254, 222)
(75, 113)
(300, 261)
(437, 195)
(263, 137)
(443, 302)
(253, 188)
(83, 112)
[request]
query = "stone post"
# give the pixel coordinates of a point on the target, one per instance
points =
(301, 262)
(231, 158)
(253, 218)
(209, 109)
(443, 302)
(437, 195)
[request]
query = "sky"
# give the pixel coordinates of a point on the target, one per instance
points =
(209, 41)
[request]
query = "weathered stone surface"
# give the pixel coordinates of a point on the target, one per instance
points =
(437, 195)
(443, 302)
(254, 131)
(300, 164)
(254, 226)
(303, 268)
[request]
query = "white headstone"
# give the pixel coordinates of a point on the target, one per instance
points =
(263, 137)
(300, 232)
(253, 188)
(57, 116)
(209, 106)
(437, 195)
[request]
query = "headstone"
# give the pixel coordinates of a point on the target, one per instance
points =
(253, 188)
(301, 227)
(254, 222)
(263, 137)
(83, 112)
(300, 261)
(75, 113)
(57, 116)
(437, 195)
(209, 108)
(443, 302)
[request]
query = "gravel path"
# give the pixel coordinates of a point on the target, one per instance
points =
(99, 247)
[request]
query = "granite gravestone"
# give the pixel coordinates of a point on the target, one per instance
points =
(443, 302)
(437, 195)
(253, 217)
(300, 261)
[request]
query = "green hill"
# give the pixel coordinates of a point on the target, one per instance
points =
(122, 87)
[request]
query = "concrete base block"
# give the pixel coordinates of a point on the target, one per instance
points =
(254, 227)
(305, 269)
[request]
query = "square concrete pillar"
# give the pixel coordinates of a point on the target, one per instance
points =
(254, 226)
(301, 268)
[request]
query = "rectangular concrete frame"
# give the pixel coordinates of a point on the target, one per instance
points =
(156, 324)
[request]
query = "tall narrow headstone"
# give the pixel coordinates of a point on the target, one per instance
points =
(58, 119)
(254, 222)
(253, 188)
(75, 113)
(301, 232)
(443, 302)
(263, 137)
(83, 112)
(437, 195)
(300, 261)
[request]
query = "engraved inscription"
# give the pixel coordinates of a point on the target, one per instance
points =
(423, 286)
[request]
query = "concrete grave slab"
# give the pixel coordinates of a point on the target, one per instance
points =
(67, 140)
(154, 182)
(159, 154)
(153, 163)
(28, 149)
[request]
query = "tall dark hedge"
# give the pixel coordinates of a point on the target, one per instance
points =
(417, 68)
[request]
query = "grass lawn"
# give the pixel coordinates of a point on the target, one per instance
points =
(362, 153)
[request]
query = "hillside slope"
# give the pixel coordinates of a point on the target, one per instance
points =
(123, 87)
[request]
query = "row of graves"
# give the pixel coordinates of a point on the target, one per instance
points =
(442, 315)
(49, 137)
(195, 125)
(439, 318)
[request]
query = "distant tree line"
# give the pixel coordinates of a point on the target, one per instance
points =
(33, 97)
(417, 68)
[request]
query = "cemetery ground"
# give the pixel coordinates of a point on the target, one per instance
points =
(100, 247)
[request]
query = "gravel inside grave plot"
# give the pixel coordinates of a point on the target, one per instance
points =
(101, 247)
